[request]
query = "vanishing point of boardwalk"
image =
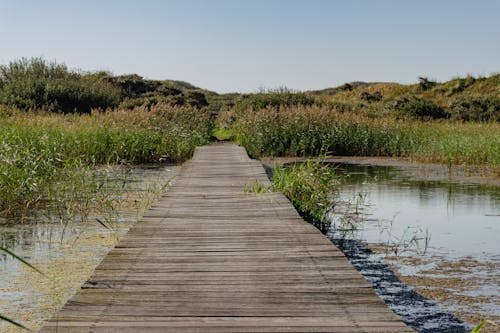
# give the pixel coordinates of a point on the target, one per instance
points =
(209, 257)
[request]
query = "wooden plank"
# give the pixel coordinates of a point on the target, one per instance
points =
(211, 257)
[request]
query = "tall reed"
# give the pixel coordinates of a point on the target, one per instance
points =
(311, 130)
(35, 147)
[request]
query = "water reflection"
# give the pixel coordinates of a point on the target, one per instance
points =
(460, 267)
(463, 219)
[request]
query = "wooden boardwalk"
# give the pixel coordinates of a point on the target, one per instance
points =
(209, 257)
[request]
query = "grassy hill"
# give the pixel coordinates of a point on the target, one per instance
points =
(37, 84)
(467, 99)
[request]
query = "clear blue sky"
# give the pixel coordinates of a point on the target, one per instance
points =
(241, 45)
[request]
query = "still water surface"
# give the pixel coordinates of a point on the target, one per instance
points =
(462, 219)
(454, 257)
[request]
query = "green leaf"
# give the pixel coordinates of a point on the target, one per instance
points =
(20, 259)
(483, 322)
(479, 327)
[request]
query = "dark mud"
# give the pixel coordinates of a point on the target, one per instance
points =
(414, 309)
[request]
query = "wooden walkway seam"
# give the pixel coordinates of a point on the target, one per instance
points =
(209, 257)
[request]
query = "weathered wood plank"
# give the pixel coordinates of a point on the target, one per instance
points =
(210, 257)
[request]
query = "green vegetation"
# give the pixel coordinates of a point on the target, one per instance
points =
(257, 188)
(451, 123)
(308, 131)
(38, 149)
(272, 98)
(464, 99)
(36, 84)
(310, 186)
(137, 91)
(454, 123)
(482, 324)
(415, 107)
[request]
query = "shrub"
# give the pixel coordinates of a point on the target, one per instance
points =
(375, 97)
(475, 108)
(425, 84)
(462, 84)
(31, 84)
(417, 108)
(196, 99)
(132, 85)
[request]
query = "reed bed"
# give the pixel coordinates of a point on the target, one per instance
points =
(37, 149)
(310, 186)
(316, 130)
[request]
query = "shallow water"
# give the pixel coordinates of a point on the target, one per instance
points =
(442, 237)
(463, 219)
(68, 253)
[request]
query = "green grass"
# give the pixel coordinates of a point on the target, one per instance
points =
(310, 186)
(38, 149)
(315, 130)
(222, 134)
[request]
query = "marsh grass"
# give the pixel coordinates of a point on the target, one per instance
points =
(412, 238)
(275, 98)
(310, 186)
(310, 131)
(39, 149)
(257, 187)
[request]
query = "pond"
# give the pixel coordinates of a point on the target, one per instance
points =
(440, 236)
(68, 252)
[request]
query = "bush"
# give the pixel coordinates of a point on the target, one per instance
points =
(196, 99)
(468, 108)
(31, 84)
(132, 85)
(417, 108)
(462, 84)
(375, 97)
(425, 84)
